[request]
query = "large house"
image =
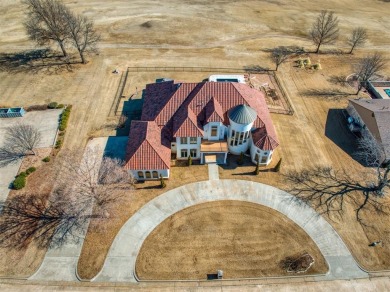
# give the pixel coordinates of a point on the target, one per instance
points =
(204, 120)
(373, 115)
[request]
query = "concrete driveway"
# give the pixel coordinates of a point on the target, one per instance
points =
(119, 265)
(47, 123)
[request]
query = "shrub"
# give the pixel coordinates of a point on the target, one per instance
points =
(40, 107)
(189, 160)
(52, 105)
(19, 182)
(60, 105)
(22, 174)
(277, 167)
(257, 170)
(240, 160)
(162, 182)
(30, 170)
(46, 159)
(64, 118)
(58, 144)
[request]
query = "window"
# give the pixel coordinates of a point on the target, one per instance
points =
(147, 174)
(233, 133)
(263, 159)
(193, 152)
(214, 131)
(140, 174)
(155, 174)
(184, 153)
(193, 140)
(183, 140)
(231, 142)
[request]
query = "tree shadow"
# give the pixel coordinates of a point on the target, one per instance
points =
(340, 80)
(35, 61)
(336, 129)
(328, 93)
(255, 69)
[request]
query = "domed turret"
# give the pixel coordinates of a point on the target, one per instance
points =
(242, 114)
(241, 120)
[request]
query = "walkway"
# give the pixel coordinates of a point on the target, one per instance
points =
(213, 171)
(120, 262)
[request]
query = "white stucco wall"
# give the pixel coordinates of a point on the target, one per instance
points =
(240, 128)
(188, 146)
(163, 172)
(221, 131)
(255, 150)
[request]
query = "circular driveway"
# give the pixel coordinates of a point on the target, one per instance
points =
(119, 265)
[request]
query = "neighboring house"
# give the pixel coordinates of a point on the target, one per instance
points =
(381, 89)
(373, 115)
(204, 120)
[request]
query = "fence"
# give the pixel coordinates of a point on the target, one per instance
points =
(253, 69)
(119, 93)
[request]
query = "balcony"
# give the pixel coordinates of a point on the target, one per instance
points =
(214, 146)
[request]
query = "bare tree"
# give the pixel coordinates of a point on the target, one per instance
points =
(368, 67)
(82, 34)
(326, 189)
(46, 22)
(20, 140)
(357, 38)
(325, 29)
(280, 54)
(84, 191)
(370, 151)
(101, 181)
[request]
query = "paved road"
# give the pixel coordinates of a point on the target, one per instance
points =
(367, 284)
(120, 262)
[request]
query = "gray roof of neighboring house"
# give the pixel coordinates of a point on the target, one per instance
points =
(380, 113)
(242, 114)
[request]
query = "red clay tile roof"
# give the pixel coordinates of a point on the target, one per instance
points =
(262, 140)
(213, 111)
(185, 124)
(145, 150)
(181, 109)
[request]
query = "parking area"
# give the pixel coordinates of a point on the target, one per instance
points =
(47, 123)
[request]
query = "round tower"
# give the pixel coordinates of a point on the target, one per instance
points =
(241, 120)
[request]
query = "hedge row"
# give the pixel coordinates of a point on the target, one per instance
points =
(64, 118)
(20, 179)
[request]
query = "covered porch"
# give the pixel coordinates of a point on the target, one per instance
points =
(213, 152)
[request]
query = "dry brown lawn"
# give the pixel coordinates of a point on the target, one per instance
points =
(23, 262)
(209, 34)
(101, 234)
(245, 240)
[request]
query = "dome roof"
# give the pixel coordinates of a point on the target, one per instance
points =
(242, 114)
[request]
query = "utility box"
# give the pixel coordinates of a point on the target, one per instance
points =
(220, 274)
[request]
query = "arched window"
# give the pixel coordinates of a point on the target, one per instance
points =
(147, 174)
(140, 174)
(155, 174)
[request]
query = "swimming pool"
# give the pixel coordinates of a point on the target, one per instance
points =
(231, 80)
(387, 90)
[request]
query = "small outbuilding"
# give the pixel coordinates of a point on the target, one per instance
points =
(13, 112)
